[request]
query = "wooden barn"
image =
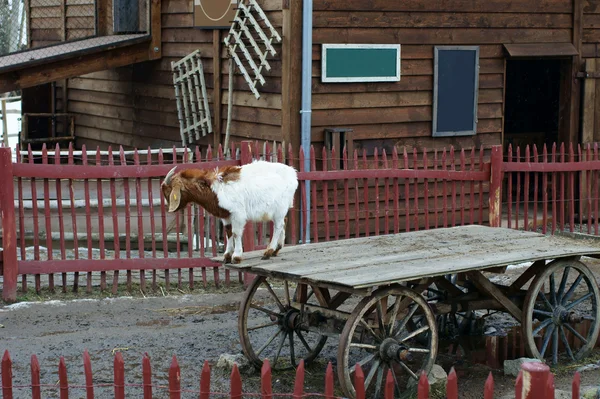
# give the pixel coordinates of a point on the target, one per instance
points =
(367, 74)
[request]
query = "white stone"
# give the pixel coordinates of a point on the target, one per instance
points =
(512, 367)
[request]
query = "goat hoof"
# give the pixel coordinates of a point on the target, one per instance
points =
(227, 258)
(277, 250)
(237, 259)
(268, 253)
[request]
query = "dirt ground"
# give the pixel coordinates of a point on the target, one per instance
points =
(194, 327)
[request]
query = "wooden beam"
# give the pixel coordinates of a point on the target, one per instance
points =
(484, 285)
(217, 90)
(576, 67)
(155, 50)
(66, 68)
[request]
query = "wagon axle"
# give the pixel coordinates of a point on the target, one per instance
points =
(561, 316)
(391, 350)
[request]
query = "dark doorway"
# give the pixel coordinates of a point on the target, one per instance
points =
(532, 103)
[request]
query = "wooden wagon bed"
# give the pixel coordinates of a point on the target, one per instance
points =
(368, 262)
(412, 289)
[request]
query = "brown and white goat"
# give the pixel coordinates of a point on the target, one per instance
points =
(259, 192)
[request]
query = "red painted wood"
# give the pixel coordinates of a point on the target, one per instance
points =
(71, 161)
(61, 220)
(535, 189)
(426, 189)
(537, 374)
(377, 215)
(389, 385)
(246, 158)
(581, 184)
(163, 214)
(453, 185)
(415, 193)
(356, 198)
(116, 241)
(140, 222)
(596, 192)
(452, 385)
(235, 391)
(119, 376)
(303, 199)
(62, 377)
(35, 378)
(571, 194)
(526, 190)
(481, 168)
(147, 376)
(518, 196)
(544, 191)
(329, 381)
(174, 380)
(325, 195)
(496, 188)
(177, 224)
(87, 370)
(406, 193)
(562, 203)
(294, 212)
(550, 386)
(435, 189)
(88, 217)
(266, 386)
(21, 223)
(386, 183)
(313, 188)
(509, 177)
(299, 381)
(151, 211)
(575, 385)
(488, 388)
(47, 217)
(346, 195)
(423, 387)
(7, 391)
(101, 220)
(9, 227)
(396, 192)
(588, 185)
(472, 188)
(205, 381)
(334, 166)
(444, 191)
(359, 382)
(36, 240)
(115, 172)
(554, 191)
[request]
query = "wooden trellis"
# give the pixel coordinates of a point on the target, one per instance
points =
(192, 99)
(250, 17)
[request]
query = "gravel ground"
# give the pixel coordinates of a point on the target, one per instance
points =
(192, 325)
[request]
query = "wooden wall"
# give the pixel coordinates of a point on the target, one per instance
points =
(135, 106)
(400, 113)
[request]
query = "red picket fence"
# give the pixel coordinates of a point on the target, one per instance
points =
(111, 203)
(554, 189)
(350, 196)
(538, 374)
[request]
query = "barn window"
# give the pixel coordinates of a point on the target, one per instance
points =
(455, 87)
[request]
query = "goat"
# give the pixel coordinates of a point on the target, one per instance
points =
(260, 192)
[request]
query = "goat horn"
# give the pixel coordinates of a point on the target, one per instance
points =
(170, 175)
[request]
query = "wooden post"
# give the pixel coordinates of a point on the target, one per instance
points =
(248, 237)
(535, 380)
(217, 92)
(496, 187)
(9, 226)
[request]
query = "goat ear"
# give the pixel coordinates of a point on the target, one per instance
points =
(174, 199)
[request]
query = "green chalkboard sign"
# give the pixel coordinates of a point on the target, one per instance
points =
(360, 63)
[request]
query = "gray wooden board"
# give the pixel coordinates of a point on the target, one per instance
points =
(380, 260)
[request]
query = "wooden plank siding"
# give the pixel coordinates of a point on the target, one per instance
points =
(400, 113)
(134, 106)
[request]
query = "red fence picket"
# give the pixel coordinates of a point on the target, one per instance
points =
(353, 194)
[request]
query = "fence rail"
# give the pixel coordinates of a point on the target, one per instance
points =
(62, 213)
(540, 382)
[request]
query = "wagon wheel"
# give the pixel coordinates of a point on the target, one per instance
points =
(560, 302)
(377, 337)
(270, 328)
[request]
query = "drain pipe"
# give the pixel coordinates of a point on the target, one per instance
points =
(305, 111)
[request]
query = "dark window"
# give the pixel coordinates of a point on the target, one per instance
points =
(455, 86)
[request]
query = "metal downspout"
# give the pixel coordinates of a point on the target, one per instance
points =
(305, 111)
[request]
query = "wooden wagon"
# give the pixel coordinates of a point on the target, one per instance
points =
(384, 296)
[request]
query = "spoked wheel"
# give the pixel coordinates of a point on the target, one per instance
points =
(560, 316)
(378, 337)
(270, 328)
